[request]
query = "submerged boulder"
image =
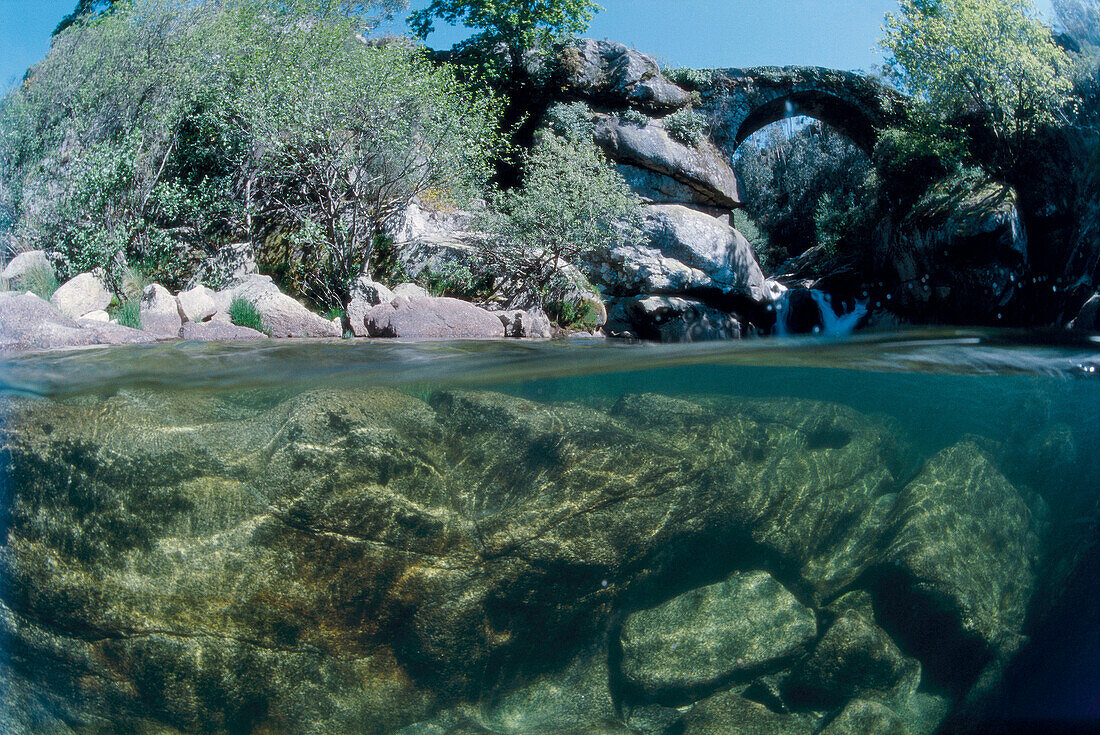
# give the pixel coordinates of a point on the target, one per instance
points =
(703, 638)
(365, 560)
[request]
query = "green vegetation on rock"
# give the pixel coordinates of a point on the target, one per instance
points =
(128, 314)
(244, 314)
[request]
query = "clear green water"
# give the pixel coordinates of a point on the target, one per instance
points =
(889, 534)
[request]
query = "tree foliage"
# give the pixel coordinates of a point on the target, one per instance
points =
(156, 133)
(573, 202)
(988, 59)
(520, 25)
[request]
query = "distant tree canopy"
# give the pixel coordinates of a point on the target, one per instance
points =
(803, 188)
(83, 9)
(520, 25)
(992, 60)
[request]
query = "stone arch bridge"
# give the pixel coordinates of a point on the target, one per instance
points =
(740, 102)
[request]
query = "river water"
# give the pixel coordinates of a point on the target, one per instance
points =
(888, 534)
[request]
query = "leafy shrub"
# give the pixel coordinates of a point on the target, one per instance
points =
(631, 116)
(335, 313)
(686, 126)
(572, 121)
(691, 78)
(570, 314)
(573, 202)
(128, 314)
(244, 314)
(456, 281)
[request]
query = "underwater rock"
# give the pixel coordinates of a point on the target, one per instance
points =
(362, 560)
(704, 637)
(959, 570)
(864, 717)
(855, 658)
(729, 712)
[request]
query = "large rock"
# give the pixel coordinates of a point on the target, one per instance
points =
(532, 324)
(959, 571)
(959, 257)
(671, 319)
(432, 318)
(703, 167)
(608, 72)
(685, 251)
(658, 188)
(80, 295)
(30, 323)
(704, 638)
(729, 712)
(361, 560)
(855, 658)
(160, 312)
(575, 698)
(434, 239)
(366, 293)
(197, 304)
(1088, 319)
(218, 332)
(410, 291)
(230, 265)
(282, 315)
(23, 265)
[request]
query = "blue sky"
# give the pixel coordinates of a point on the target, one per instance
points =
(700, 33)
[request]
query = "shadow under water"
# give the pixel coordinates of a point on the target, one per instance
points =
(889, 534)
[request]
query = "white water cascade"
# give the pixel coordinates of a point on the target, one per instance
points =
(832, 322)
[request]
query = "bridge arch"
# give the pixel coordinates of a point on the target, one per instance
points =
(739, 102)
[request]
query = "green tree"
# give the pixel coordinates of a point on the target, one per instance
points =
(346, 135)
(84, 9)
(519, 25)
(572, 203)
(992, 60)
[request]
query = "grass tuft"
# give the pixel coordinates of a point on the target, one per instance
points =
(128, 314)
(244, 314)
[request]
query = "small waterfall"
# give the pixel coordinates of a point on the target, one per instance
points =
(802, 311)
